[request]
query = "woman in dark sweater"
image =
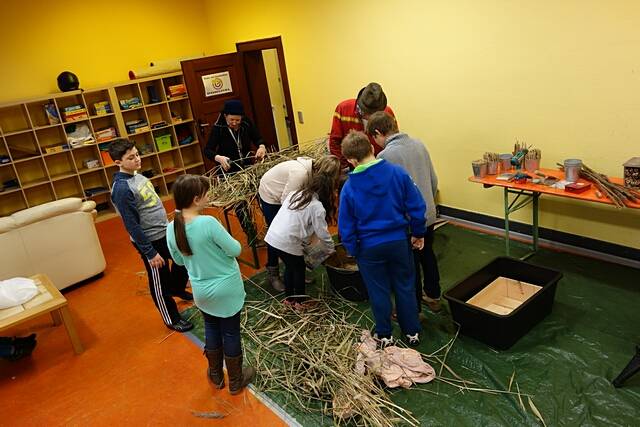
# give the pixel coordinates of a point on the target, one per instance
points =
(233, 138)
(230, 143)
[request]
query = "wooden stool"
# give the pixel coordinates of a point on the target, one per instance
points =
(48, 300)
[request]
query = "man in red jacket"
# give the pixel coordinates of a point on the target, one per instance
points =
(352, 114)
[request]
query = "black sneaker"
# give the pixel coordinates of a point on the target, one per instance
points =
(184, 295)
(22, 347)
(181, 326)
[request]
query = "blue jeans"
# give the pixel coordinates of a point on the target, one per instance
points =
(385, 268)
(222, 332)
(269, 211)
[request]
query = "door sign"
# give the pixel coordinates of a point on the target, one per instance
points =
(217, 84)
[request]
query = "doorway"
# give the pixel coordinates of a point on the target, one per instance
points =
(256, 74)
(270, 96)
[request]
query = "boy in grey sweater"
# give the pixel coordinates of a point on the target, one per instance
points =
(412, 155)
(145, 219)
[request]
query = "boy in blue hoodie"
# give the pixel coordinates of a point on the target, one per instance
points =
(379, 205)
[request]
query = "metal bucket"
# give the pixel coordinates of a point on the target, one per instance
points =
(572, 169)
(505, 162)
(492, 168)
(479, 168)
(531, 165)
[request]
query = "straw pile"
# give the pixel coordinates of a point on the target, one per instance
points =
(311, 355)
(229, 190)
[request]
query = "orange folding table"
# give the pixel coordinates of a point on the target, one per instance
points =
(529, 193)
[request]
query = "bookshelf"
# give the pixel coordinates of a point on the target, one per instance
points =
(57, 151)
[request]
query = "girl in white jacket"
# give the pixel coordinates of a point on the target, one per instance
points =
(304, 214)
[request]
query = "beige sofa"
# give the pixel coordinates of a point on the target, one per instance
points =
(57, 238)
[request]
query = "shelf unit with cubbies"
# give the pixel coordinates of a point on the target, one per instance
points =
(40, 160)
(166, 138)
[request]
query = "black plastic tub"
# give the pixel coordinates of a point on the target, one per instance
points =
(345, 282)
(497, 330)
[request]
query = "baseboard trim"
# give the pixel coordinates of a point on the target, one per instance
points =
(551, 238)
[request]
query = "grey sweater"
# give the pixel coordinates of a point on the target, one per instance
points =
(413, 156)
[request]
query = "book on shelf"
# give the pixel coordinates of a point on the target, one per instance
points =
(51, 112)
(106, 134)
(177, 90)
(102, 108)
(133, 102)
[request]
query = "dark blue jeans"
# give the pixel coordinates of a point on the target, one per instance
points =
(222, 332)
(386, 268)
(425, 259)
(269, 211)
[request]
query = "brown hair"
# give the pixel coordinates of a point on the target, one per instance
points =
(325, 174)
(356, 145)
(382, 122)
(185, 189)
(119, 147)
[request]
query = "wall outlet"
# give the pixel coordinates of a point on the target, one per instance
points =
(300, 117)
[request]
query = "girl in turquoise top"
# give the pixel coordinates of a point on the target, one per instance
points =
(207, 250)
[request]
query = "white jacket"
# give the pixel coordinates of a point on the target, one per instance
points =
(291, 229)
(284, 178)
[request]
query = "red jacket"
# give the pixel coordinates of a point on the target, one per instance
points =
(346, 118)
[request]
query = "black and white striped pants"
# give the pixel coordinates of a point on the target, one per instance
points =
(165, 282)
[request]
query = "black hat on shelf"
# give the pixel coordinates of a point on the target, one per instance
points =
(68, 81)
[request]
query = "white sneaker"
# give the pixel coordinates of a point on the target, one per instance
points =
(413, 340)
(384, 342)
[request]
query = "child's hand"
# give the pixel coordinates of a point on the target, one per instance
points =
(417, 243)
(157, 261)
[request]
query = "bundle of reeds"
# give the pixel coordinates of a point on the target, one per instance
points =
(491, 157)
(619, 194)
(533, 154)
(228, 190)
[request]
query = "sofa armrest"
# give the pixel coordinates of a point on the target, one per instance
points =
(88, 206)
(48, 210)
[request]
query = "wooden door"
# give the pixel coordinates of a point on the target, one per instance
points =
(210, 82)
(259, 95)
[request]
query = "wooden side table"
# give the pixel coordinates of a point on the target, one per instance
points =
(48, 300)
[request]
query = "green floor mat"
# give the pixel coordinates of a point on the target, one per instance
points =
(566, 362)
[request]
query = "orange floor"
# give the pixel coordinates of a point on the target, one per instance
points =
(133, 371)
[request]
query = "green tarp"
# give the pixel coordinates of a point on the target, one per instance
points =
(566, 362)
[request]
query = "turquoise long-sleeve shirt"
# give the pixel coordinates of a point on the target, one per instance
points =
(215, 277)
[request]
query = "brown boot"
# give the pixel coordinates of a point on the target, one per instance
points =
(215, 374)
(238, 377)
(273, 275)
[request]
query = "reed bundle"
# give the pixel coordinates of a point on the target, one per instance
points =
(533, 154)
(491, 157)
(619, 194)
(230, 189)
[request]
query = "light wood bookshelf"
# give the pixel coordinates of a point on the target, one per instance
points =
(38, 164)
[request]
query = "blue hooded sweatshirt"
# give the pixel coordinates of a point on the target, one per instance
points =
(379, 205)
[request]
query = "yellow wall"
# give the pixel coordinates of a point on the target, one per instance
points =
(99, 41)
(464, 76)
(468, 77)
